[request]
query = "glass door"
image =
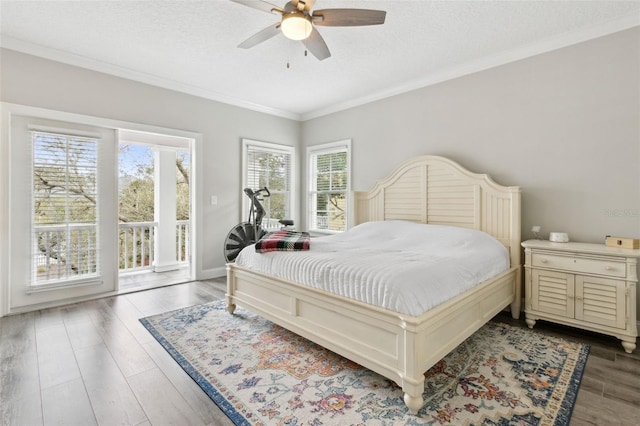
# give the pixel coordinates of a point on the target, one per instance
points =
(63, 212)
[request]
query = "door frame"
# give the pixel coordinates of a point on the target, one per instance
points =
(7, 110)
(160, 142)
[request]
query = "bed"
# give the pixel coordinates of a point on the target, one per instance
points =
(401, 346)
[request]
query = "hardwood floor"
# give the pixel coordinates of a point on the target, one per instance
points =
(610, 389)
(147, 279)
(94, 363)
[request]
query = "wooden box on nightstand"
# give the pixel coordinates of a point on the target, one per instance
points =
(590, 286)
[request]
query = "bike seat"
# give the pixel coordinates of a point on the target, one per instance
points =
(286, 222)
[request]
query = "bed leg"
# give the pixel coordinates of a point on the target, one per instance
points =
(413, 388)
(414, 403)
(230, 307)
(515, 309)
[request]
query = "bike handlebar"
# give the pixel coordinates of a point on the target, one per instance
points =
(255, 203)
(251, 193)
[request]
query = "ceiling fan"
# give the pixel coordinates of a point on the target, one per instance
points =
(298, 22)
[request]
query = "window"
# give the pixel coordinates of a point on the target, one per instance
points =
(64, 208)
(329, 185)
(270, 165)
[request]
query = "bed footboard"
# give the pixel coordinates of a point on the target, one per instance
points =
(399, 347)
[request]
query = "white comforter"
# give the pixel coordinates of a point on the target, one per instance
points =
(400, 266)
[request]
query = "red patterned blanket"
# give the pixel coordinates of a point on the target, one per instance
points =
(283, 241)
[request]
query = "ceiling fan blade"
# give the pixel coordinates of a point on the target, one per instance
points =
(316, 45)
(264, 35)
(348, 17)
(260, 5)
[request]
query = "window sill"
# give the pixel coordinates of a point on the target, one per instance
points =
(37, 288)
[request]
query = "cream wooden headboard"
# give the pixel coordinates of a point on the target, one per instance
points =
(436, 190)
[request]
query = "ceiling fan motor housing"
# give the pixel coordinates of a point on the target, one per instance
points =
(296, 25)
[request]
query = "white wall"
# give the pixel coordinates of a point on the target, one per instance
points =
(565, 126)
(37, 82)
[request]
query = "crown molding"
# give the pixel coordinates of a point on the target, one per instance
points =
(129, 74)
(533, 49)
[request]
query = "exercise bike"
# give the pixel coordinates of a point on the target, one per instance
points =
(249, 232)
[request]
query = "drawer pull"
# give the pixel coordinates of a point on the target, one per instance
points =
(543, 260)
(608, 268)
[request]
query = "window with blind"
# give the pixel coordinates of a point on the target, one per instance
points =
(64, 208)
(328, 186)
(270, 165)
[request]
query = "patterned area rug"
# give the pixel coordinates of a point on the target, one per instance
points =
(260, 374)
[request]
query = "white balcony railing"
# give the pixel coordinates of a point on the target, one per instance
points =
(183, 241)
(62, 252)
(137, 241)
(136, 245)
(67, 252)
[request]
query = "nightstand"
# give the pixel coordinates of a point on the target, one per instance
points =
(590, 286)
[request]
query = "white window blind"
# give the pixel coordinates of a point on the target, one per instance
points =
(269, 165)
(329, 184)
(64, 208)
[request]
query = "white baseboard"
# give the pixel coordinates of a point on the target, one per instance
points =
(207, 274)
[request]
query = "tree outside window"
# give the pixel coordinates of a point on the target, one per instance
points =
(267, 164)
(329, 186)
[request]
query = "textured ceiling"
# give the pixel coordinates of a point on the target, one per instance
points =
(191, 45)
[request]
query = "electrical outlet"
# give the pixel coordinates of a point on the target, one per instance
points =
(214, 200)
(535, 229)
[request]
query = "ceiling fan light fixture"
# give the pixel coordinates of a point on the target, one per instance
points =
(296, 26)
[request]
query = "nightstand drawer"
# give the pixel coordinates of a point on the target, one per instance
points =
(581, 265)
